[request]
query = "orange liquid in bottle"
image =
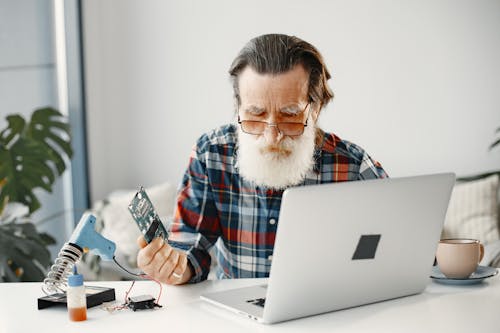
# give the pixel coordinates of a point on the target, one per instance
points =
(77, 314)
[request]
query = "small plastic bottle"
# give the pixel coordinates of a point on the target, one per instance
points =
(76, 298)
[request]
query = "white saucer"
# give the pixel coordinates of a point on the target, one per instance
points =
(481, 273)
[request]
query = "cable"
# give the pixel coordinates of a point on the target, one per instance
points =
(159, 283)
(141, 275)
(128, 292)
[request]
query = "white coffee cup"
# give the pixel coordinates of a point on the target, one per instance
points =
(458, 258)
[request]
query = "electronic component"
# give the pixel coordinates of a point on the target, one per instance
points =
(145, 216)
(85, 237)
(142, 302)
(95, 296)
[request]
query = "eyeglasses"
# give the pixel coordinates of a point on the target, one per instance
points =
(257, 127)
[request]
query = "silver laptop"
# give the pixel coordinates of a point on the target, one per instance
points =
(347, 244)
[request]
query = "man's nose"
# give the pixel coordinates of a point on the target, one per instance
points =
(272, 133)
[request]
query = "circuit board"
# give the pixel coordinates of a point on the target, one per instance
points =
(145, 216)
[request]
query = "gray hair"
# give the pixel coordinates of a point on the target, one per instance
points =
(276, 53)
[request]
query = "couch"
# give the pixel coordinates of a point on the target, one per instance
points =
(473, 212)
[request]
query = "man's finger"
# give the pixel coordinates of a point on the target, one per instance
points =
(179, 271)
(146, 255)
(169, 265)
(141, 241)
(181, 268)
(161, 257)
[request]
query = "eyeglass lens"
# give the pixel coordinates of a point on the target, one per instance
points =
(258, 127)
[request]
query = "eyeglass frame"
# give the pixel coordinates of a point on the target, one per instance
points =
(277, 124)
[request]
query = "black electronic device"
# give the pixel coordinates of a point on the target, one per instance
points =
(142, 302)
(95, 296)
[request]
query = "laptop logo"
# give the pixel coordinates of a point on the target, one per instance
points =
(367, 246)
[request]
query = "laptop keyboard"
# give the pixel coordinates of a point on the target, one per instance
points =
(258, 301)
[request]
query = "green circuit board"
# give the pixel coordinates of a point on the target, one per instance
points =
(145, 216)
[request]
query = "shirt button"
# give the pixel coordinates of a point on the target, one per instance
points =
(272, 221)
(270, 258)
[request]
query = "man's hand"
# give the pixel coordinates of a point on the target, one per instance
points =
(162, 262)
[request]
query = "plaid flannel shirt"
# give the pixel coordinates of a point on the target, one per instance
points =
(215, 203)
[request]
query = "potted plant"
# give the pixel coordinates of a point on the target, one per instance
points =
(31, 156)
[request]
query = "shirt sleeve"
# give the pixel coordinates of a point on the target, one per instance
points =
(195, 227)
(370, 169)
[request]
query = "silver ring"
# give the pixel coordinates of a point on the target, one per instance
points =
(177, 276)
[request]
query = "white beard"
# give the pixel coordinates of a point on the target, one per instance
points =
(276, 166)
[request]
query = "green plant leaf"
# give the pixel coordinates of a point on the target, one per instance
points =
(25, 167)
(23, 248)
(6, 272)
(15, 128)
(32, 155)
(47, 128)
(47, 239)
(30, 271)
(33, 246)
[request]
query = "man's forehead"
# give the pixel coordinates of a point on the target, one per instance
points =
(287, 87)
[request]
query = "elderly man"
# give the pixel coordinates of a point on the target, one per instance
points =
(233, 185)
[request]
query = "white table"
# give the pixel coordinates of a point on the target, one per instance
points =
(440, 308)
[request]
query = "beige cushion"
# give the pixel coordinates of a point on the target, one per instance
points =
(473, 211)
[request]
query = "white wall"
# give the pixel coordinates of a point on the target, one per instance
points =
(416, 82)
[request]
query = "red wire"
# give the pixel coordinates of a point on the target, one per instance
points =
(129, 289)
(144, 276)
(159, 283)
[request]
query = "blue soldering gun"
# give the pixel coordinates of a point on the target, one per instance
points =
(84, 238)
